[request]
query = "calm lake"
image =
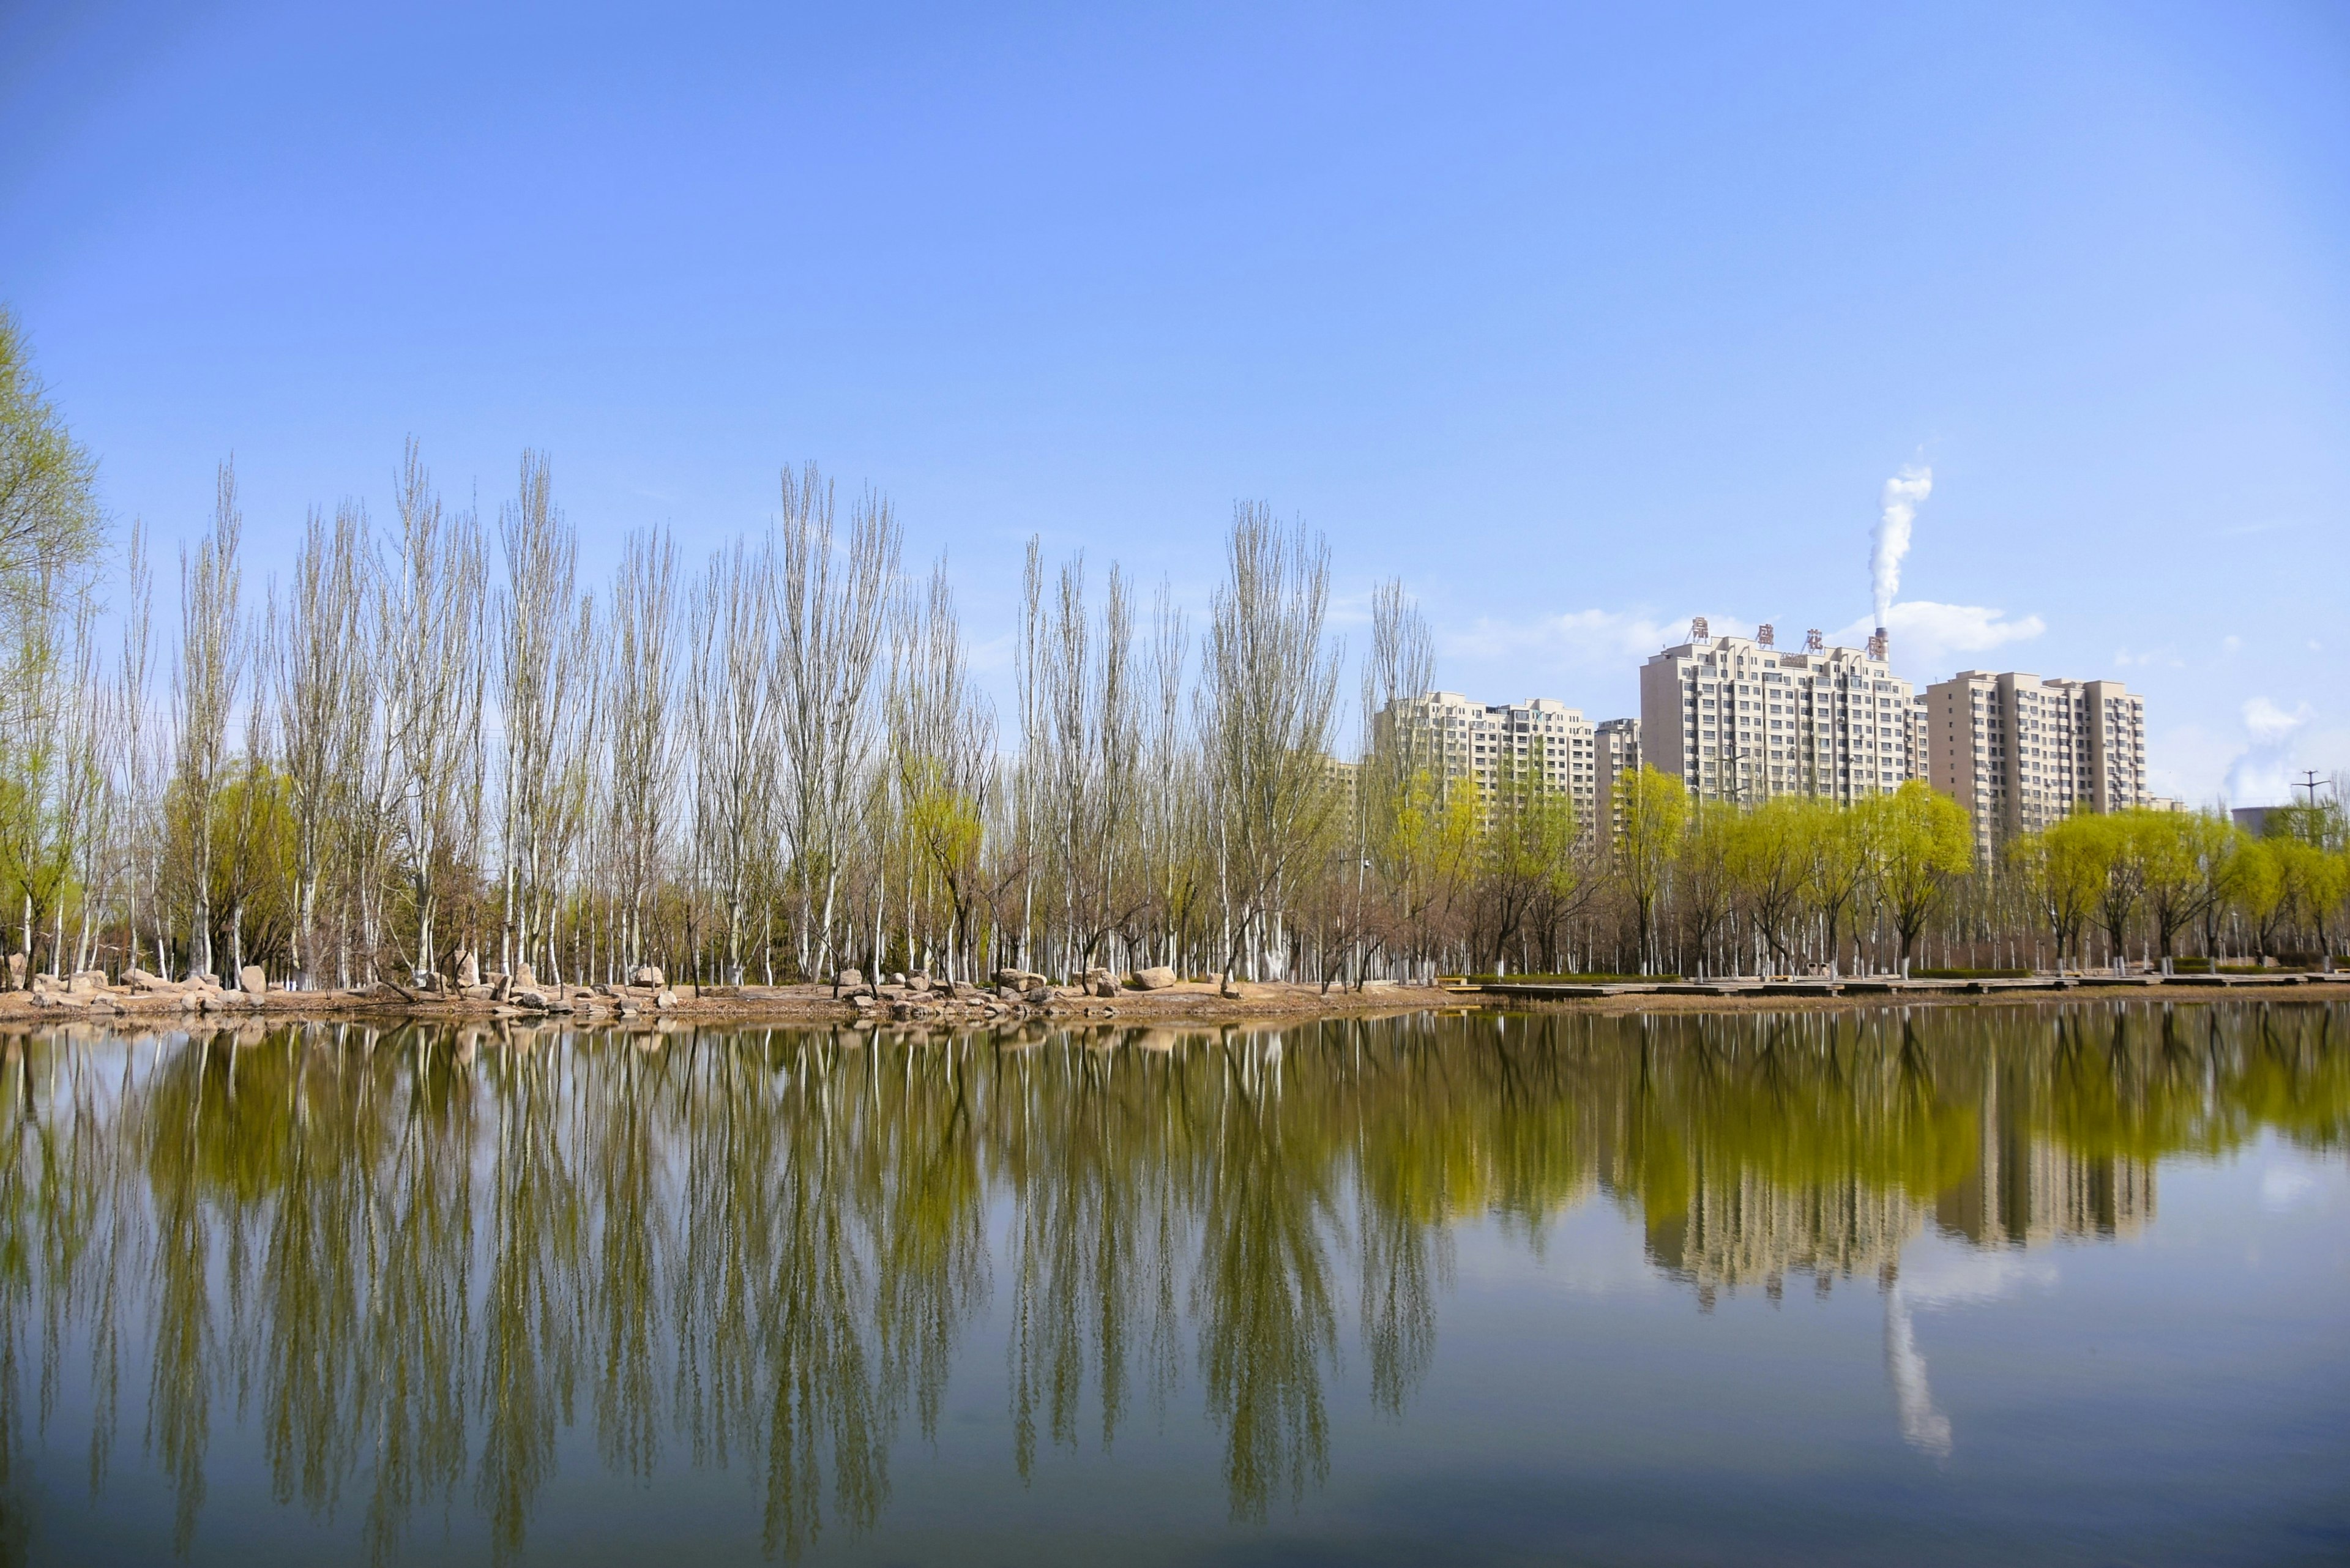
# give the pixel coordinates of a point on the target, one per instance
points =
(2020, 1284)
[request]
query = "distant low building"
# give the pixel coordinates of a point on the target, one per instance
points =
(1483, 746)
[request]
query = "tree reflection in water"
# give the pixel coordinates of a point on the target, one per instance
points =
(403, 1255)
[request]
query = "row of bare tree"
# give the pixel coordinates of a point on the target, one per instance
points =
(432, 738)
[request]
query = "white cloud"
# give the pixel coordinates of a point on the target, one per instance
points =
(2262, 772)
(1577, 636)
(2269, 723)
(1944, 1275)
(1930, 635)
(2282, 1188)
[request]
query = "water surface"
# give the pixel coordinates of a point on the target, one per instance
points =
(2039, 1284)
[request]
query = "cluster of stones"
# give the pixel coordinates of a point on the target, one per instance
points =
(1010, 993)
(646, 990)
(89, 989)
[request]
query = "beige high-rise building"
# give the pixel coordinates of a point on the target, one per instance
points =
(2020, 752)
(1740, 719)
(1616, 750)
(1485, 745)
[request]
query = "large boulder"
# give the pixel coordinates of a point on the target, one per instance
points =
(524, 977)
(468, 969)
(87, 981)
(848, 980)
(1158, 977)
(251, 980)
(646, 974)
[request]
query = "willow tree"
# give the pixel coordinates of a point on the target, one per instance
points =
(1767, 857)
(1647, 847)
(2061, 869)
(1920, 841)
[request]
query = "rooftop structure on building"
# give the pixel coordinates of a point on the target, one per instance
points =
(1742, 719)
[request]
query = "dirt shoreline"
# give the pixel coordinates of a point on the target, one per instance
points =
(1192, 1003)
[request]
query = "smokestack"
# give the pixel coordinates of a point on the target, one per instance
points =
(1904, 493)
(1878, 645)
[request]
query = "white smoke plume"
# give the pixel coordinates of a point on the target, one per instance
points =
(1904, 493)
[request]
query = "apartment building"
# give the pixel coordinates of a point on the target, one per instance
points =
(2020, 752)
(1486, 744)
(1616, 751)
(1742, 719)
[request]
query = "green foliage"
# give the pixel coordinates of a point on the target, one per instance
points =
(50, 527)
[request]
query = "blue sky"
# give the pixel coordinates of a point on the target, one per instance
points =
(1580, 321)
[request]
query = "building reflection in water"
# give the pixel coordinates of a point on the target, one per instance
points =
(414, 1260)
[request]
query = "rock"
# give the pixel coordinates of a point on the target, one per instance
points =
(1101, 985)
(1038, 995)
(848, 980)
(646, 974)
(469, 971)
(87, 981)
(1018, 979)
(665, 999)
(251, 980)
(15, 971)
(1158, 977)
(523, 975)
(917, 981)
(190, 1000)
